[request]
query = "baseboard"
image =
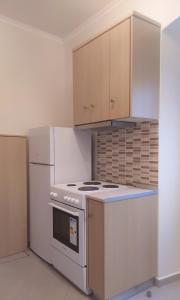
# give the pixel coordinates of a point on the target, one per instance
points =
(14, 257)
(134, 291)
(160, 281)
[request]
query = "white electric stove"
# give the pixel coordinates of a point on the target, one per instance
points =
(74, 194)
(68, 227)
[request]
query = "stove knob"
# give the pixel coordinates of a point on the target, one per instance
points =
(51, 194)
(76, 201)
(55, 195)
(65, 198)
(73, 200)
(68, 199)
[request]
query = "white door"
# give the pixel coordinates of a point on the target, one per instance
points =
(41, 145)
(41, 178)
(72, 155)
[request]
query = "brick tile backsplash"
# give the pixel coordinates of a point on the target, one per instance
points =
(128, 155)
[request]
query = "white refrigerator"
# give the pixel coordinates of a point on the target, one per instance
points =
(56, 155)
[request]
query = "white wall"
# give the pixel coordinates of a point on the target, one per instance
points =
(169, 156)
(169, 209)
(32, 80)
(159, 10)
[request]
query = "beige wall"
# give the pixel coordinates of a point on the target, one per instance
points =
(32, 80)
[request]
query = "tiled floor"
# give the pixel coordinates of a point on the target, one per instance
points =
(26, 277)
(168, 292)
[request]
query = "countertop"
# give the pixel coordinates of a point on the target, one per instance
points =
(122, 193)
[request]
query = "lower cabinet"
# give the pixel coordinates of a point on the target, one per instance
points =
(13, 191)
(122, 244)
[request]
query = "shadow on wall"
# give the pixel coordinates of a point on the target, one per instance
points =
(169, 153)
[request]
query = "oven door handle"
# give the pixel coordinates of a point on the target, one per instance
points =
(76, 214)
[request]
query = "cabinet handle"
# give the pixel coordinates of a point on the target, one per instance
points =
(85, 107)
(112, 101)
(92, 106)
(90, 216)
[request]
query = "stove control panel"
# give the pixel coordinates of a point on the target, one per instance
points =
(53, 195)
(71, 200)
(68, 198)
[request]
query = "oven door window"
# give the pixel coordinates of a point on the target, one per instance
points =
(66, 229)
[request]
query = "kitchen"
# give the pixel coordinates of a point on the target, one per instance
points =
(126, 154)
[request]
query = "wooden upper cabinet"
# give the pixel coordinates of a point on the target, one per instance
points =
(120, 51)
(91, 81)
(116, 75)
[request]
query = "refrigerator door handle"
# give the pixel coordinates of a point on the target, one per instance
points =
(76, 214)
(40, 164)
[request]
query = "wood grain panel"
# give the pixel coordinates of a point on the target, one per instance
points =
(120, 50)
(96, 247)
(131, 243)
(91, 81)
(13, 200)
(82, 113)
(122, 245)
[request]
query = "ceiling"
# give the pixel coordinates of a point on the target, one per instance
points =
(58, 17)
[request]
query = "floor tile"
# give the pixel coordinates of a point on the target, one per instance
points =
(26, 277)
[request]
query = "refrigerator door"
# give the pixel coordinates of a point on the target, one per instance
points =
(41, 145)
(72, 155)
(41, 178)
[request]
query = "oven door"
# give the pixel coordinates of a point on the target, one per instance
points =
(68, 231)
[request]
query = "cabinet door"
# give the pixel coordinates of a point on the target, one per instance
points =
(131, 243)
(120, 63)
(91, 81)
(13, 200)
(122, 245)
(81, 106)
